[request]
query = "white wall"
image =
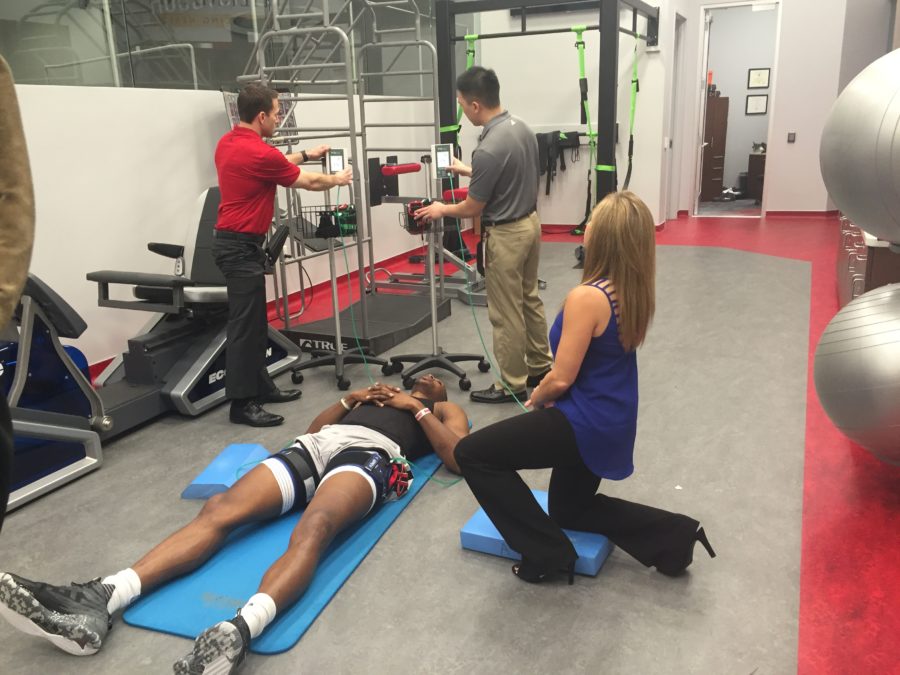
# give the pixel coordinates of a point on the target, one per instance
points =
(805, 80)
(896, 31)
(867, 33)
(741, 39)
(539, 82)
(113, 169)
(116, 168)
(677, 98)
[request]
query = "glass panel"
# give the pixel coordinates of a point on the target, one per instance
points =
(205, 44)
(179, 44)
(57, 42)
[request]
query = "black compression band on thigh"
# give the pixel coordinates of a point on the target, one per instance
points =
(371, 461)
(303, 470)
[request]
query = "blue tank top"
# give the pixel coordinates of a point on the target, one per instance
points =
(602, 403)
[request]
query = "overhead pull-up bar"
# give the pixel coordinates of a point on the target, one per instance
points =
(550, 31)
(463, 7)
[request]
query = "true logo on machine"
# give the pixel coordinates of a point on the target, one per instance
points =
(316, 344)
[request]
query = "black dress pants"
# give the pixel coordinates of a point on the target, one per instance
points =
(241, 261)
(489, 460)
(6, 456)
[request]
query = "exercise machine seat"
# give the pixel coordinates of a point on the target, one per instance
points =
(172, 293)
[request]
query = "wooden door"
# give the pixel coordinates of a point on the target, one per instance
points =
(715, 132)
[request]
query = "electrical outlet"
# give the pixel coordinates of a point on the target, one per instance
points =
(792, 137)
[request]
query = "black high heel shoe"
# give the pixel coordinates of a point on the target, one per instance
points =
(535, 574)
(675, 569)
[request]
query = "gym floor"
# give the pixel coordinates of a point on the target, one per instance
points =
(738, 207)
(730, 432)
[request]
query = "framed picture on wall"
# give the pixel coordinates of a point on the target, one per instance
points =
(758, 78)
(757, 104)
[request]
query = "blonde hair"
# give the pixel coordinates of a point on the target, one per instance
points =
(620, 245)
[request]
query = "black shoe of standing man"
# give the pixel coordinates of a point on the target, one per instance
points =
(494, 395)
(253, 414)
(280, 396)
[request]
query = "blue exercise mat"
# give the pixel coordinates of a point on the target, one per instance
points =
(479, 534)
(212, 593)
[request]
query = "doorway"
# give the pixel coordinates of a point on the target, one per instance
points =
(739, 43)
(674, 142)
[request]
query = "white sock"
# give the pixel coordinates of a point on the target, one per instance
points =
(126, 587)
(258, 613)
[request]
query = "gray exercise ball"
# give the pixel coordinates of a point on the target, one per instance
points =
(860, 149)
(857, 371)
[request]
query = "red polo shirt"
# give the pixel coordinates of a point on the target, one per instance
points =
(249, 170)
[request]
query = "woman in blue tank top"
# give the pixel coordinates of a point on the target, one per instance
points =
(585, 416)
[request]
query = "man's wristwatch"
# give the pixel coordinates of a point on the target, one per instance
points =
(304, 156)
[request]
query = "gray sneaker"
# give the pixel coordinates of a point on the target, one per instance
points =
(73, 617)
(219, 650)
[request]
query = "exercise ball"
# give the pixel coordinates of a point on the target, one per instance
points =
(859, 153)
(857, 371)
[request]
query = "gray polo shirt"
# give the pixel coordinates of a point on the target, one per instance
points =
(505, 169)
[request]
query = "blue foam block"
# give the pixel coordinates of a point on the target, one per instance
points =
(479, 534)
(212, 593)
(224, 471)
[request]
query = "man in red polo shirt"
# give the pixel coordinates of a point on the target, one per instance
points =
(249, 172)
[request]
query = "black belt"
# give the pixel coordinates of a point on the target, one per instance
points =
(239, 236)
(504, 221)
(290, 455)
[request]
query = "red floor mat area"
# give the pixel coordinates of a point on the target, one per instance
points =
(849, 571)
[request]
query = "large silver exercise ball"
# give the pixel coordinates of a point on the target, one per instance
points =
(857, 371)
(860, 150)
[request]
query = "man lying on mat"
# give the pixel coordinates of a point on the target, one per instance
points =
(347, 463)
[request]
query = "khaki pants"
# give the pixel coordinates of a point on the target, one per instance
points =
(512, 254)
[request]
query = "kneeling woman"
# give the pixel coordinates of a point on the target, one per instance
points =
(585, 416)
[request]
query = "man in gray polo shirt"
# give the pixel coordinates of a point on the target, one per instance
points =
(503, 191)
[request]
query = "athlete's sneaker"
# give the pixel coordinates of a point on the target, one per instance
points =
(73, 617)
(218, 650)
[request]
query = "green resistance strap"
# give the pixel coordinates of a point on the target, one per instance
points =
(582, 77)
(470, 61)
(337, 216)
(585, 119)
(635, 88)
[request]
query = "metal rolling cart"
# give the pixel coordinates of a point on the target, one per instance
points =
(438, 358)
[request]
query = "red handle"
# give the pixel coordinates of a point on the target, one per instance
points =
(397, 169)
(457, 195)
